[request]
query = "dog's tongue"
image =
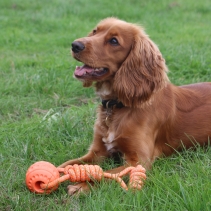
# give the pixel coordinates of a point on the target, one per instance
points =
(79, 71)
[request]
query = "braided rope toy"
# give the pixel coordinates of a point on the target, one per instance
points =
(43, 177)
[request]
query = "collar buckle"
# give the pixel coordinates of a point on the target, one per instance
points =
(112, 104)
(109, 105)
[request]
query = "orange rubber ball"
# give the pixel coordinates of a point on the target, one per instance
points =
(40, 173)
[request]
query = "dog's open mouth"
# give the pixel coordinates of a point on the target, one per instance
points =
(87, 71)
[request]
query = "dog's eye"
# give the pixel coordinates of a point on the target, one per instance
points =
(113, 41)
(94, 31)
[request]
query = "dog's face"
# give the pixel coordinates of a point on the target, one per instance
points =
(103, 50)
(123, 54)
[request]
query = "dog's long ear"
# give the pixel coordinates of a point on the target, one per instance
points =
(142, 73)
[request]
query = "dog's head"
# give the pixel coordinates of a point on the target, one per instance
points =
(122, 52)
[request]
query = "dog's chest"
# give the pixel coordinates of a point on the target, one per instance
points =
(109, 141)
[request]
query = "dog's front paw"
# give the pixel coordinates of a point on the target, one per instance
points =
(78, 188)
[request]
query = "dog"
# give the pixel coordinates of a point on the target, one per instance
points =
(143, 116)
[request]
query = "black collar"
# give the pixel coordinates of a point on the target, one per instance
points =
(112, 103)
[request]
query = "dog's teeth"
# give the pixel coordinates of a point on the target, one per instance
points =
(99, 69)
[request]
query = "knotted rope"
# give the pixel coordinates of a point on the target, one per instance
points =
(82, 173)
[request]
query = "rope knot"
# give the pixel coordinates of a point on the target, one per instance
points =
(82, 173)
(137, 175)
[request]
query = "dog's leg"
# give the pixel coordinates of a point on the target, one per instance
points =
(90, 157)
(97, 153)
(132, 159)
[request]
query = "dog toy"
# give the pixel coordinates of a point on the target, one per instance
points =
(43, 177)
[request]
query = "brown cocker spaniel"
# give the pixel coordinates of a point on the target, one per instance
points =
(142, 116)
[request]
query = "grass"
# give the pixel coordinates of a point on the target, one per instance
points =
(36, 77)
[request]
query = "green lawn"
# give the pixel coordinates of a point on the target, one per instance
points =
(36, 77)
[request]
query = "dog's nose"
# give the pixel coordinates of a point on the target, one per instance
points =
(77, 46)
